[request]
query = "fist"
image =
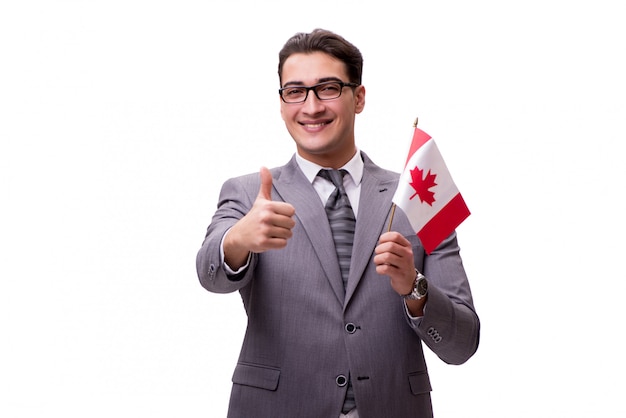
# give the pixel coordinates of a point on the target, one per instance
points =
(394, 258)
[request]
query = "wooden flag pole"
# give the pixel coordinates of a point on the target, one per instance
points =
(393, 206)
(393, 211)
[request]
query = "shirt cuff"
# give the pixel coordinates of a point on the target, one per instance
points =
(227, 268)
(414, 320)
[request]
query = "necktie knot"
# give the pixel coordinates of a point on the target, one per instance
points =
(335, 177)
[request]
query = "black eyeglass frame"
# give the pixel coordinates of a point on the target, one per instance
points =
(314, 88)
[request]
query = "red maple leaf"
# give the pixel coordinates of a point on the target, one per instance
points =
(421, 185)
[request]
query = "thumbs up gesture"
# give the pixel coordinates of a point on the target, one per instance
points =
(266, 226)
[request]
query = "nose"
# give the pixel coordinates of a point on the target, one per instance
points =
(312, 104)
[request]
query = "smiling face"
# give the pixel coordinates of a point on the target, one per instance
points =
(322, 129)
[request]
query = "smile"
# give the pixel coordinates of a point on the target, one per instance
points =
(314, 125)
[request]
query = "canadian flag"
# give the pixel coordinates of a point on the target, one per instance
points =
(427, 194)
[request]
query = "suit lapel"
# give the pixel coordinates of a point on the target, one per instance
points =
(293, 187)
(377, 188)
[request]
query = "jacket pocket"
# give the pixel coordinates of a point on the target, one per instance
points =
(419, 382)
(259, 376)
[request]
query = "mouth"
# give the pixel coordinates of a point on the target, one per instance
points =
(315, 125)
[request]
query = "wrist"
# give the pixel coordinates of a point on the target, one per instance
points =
(233, 255)
(419, 289)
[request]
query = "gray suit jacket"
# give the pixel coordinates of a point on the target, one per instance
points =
(304, 332)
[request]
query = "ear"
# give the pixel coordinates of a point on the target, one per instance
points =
(359, 99)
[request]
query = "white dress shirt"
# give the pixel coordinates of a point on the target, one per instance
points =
(324, 188)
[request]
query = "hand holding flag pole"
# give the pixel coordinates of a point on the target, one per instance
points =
(427, 194)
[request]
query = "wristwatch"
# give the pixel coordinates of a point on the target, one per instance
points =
(420, 287)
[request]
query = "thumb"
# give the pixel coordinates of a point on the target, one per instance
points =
(265, 190)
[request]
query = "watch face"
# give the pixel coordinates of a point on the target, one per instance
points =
(422, 286)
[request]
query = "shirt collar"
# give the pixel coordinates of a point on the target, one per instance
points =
(354, 167)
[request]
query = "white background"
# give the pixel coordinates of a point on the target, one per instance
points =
(119, 121)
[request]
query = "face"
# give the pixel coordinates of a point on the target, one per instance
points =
(322, 129)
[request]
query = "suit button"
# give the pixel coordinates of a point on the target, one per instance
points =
(350, 328)
(341, 380)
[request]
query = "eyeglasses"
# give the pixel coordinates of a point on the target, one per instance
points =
(323, 91)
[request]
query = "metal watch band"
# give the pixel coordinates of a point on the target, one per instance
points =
(414, 294)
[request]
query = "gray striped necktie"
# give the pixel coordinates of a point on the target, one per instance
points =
(341, 219)
(342, 223)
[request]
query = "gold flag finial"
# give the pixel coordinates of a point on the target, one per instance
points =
(415, 123)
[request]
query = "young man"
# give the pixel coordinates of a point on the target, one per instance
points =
(331, 335)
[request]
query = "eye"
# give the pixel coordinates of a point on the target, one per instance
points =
(294, 91)
(330, 88)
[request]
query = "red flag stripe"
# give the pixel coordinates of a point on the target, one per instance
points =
(419, 138)
(447, 219)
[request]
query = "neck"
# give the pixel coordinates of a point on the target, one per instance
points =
(335, 161)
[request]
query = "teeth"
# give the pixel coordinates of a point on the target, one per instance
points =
(314, 125)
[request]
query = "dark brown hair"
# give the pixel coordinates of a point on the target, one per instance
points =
(321, 40)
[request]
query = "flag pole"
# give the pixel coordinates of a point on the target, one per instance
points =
(393, 211)
(393, 206)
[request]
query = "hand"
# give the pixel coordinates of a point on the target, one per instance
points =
(265, 227)
(394, 258)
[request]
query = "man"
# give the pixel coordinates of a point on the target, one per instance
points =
(314, 346)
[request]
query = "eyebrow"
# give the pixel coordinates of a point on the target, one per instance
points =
(321, 80)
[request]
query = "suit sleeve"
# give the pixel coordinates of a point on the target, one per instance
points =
(234, 202)
(450, 326)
